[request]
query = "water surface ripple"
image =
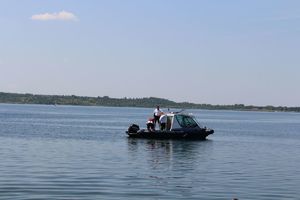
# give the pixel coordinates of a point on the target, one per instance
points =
(74, 152)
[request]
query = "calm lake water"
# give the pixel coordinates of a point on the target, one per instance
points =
(74, 152)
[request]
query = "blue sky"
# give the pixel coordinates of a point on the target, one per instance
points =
(213, 51)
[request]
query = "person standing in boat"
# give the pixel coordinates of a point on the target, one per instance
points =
(157, 113)
(163, 121)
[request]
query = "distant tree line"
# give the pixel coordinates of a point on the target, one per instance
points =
(129, 102)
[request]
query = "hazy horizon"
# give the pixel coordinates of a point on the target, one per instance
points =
(215, 52)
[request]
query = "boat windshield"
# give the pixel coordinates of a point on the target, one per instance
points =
(186, 121)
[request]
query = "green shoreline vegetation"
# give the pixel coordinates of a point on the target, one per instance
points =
(150, 102)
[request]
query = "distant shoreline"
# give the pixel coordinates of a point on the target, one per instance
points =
(147, 102)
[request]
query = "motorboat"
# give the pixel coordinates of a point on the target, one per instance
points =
(179, 126)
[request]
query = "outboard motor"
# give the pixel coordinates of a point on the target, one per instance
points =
(133, 128)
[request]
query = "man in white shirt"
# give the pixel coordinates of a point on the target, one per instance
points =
(157, 112)
(163, 121)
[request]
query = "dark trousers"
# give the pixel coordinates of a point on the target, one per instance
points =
(162, 126)
(156, 119)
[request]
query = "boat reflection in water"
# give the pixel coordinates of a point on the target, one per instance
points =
(169, 154)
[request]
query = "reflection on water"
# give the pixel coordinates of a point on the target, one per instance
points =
(185, 148)
(170, 153)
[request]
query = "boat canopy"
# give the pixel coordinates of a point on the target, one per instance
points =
(180, 120)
